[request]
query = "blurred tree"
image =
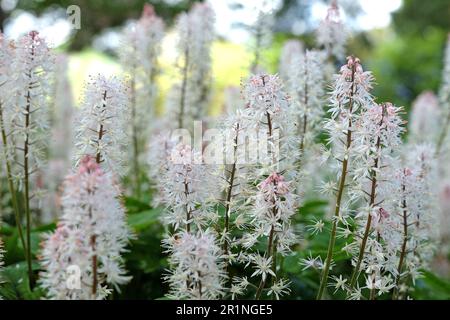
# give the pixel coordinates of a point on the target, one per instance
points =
(408, 57)
(415, 16)
(101, 14)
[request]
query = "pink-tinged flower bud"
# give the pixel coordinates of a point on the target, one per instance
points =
(90, 238)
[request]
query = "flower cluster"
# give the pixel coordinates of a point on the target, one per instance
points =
(307, 86)
(139, 56)
(190, 97)
(185, 188)
(28, 106)
(379, 135)
(197, 270)
(83, 255)
(102, 122)
(331, 34)
(350, 97)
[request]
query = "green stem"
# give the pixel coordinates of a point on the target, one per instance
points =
(344, 172)
(405, 241)
(373, 194)
(11, 187)
(27, 189)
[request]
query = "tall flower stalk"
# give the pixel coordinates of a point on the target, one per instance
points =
(331, 34)
(31, 68)
(139, 55)
(102, 123)
(379, 135)
(90, 238)
(6, 53)
(189, 97)
(197, 270)
(350, 96)
(274, 203)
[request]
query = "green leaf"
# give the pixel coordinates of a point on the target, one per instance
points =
(15, 283)
(142, 220)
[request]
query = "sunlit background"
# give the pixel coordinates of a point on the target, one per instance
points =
(401, 41)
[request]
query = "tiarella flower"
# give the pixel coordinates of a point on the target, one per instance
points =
(83, 255)
(378, 133)
(332, 34)
(350, 97)
(27, 103)
(267, 112)
(339, 283)
(238, 287)
(196, 266)
(316, 227)
(31, 68)
(409, 235)
(233, 175)
(139, 56)
(292, 50)
(186, 189)
(102, 121)
(307, 83)
(279, 289)
(425, 118)
(310, 262)
(190, 97)
(273, 208)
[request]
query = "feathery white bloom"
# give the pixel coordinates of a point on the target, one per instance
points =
(307, 83)
(102, 122)
(139, 56)
(424, 119)
(378, 133)
(6, 55)
(28, 104)
(185, 188)
(279, 289)
(349, 98)
(189, 97)
(91, 237)
(268, 112)
(332, 34)
(197, 269)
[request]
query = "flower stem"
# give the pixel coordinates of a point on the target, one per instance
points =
(134, 129)
(373, 194)
(11, 187)
(337, 211)
(405, 241)
(27, 187)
